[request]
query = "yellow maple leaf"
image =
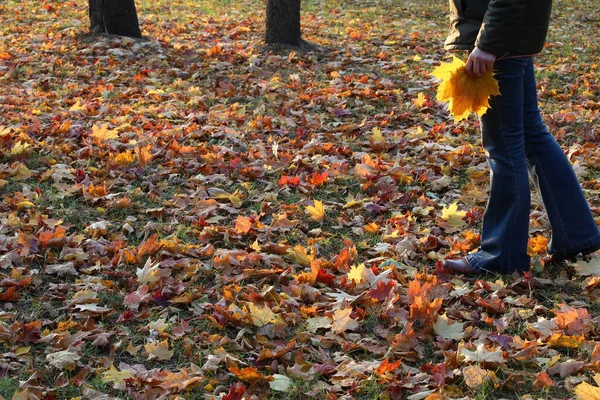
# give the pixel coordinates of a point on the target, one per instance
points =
(463, 92)
(19, 148)
(123, 159)
(585, 391)
(452, 215)
(116, 377)
(342, 321)
(316, 211)
(102, 133)
(261, 315)
(356, 273)
(160, 350)
(420, 100)
(377, 136)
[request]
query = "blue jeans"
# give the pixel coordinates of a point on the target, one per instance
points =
(516, 142)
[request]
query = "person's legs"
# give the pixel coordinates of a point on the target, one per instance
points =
(573, 227)
(506, 219)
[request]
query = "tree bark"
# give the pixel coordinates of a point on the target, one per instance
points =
(115, 17)
(283, 22)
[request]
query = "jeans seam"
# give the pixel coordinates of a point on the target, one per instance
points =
(594, 239)
(510, 262)
(562, 225)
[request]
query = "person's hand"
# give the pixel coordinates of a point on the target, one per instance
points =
(480, 62)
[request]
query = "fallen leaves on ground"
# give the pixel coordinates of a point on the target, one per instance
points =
(195, 215)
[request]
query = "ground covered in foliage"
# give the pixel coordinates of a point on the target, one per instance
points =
(195, 215)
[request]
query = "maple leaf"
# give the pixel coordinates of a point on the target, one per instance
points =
(342, 321)
(19, 148)
(356, 273)
(386, 367)
(316, 211)
(481, 354)
(463, 92)
(585, 391)
(446, 330)
(102, 134)
(249, 374)
(243, 224)
(236, 392)
(65, 359)
(420, 100)
(159, 351)
(116, 377)
(123, 159)
(261, 315)
(586, 268)
(280, 383)
(148, 274)
(475, 376)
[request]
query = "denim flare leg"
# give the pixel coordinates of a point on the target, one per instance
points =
(516, 142)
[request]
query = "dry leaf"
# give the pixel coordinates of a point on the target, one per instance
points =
(463, 92)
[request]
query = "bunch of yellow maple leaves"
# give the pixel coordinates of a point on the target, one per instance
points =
(463, 92)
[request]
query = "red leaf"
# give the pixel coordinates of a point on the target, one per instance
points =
(382, 291)
(236, 392)
(325, 278)
(10, 295)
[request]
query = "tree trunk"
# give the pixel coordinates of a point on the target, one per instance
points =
(115, 17)
(283, 22)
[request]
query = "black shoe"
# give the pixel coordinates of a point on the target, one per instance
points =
(458, 266)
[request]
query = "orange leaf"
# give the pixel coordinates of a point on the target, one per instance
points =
(249, 374)
(243, 224)
(386, 367)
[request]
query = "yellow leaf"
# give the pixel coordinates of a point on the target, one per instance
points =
(342, 321)
(102, 134)
(77, 106)
(261, 315)
(420, 100)
(377, 136)
(316, 211)
(558, 340)
(585, 391)
(300, 255)
(19, 148)
(22, 350)
(160, 351)
(123, 159)
(463, 92)
(452, 215)
(116, 377)
(356, 273)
